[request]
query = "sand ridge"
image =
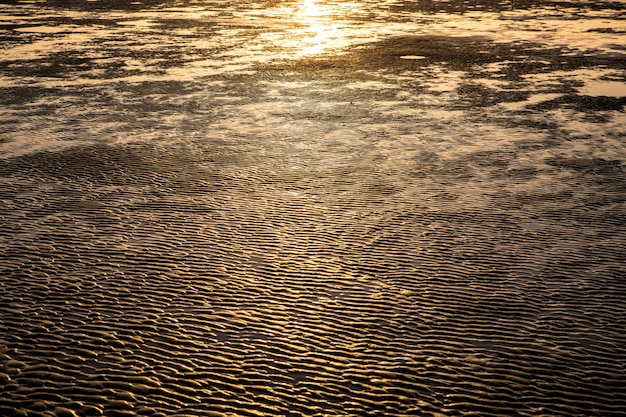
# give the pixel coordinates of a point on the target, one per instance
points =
(174, 294)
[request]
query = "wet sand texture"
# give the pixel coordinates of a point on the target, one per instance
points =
(423, 225)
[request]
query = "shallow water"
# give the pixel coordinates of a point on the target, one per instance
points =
(312, 208)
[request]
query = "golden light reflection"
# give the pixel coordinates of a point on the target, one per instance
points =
(321, 25)
(310, 8)
(323, 39)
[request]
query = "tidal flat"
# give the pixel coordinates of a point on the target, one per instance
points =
(312, 208)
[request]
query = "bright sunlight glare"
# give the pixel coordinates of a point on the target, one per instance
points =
(310, 8)
(321, 28)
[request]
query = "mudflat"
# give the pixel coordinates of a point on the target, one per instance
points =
(312, 208)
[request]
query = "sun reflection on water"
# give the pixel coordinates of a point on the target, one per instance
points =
(310, 8)
(321, 27)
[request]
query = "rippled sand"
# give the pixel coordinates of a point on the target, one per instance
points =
(200, 218)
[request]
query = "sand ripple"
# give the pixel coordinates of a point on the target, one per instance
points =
(144, 281)
(421, 213)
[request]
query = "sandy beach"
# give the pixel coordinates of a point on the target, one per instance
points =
(299, 208)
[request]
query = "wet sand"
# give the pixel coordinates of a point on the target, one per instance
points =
(419, 224)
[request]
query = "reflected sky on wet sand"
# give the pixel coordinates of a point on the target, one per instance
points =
(312, 208)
